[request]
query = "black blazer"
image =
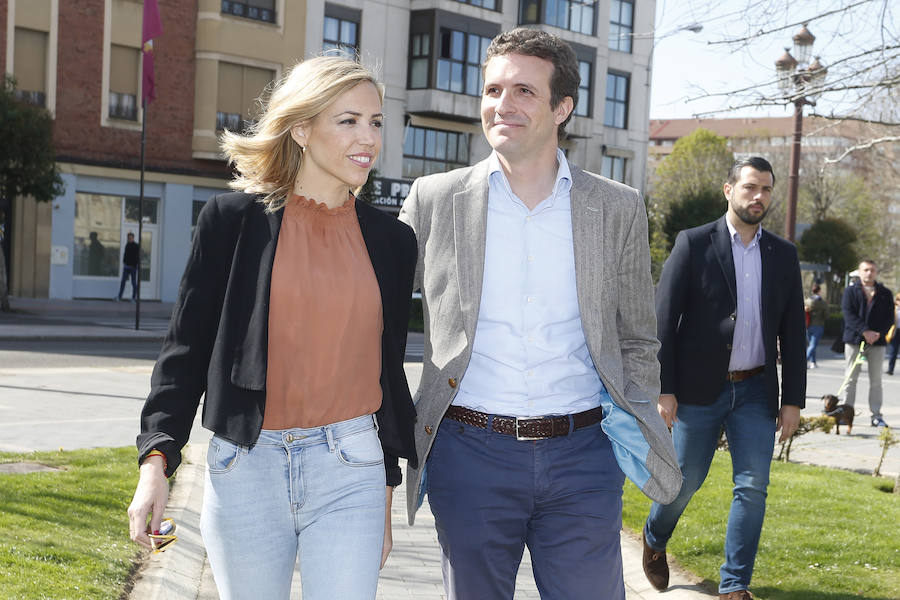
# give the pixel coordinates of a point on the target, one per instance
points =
(218, 337)
(695, 300)
(860, 315)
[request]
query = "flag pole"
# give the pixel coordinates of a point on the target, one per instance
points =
(151, 27)
(137, 302)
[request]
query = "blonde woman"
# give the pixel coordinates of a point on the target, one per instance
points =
(291, 317)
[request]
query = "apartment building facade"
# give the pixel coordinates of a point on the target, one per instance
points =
(81, 61)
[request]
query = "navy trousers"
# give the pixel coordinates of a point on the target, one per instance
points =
(492, 494)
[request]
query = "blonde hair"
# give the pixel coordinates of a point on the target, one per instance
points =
(266, 158)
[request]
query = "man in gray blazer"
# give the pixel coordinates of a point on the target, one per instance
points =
(540, 377)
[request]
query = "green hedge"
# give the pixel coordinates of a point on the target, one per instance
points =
(834, 323)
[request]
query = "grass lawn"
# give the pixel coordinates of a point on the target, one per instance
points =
(64, 535)
(828, 534)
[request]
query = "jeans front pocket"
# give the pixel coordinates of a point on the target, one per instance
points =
(222, 456)
(360, 449)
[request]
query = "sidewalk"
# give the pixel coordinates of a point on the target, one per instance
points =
(413, 570)
(42, 319)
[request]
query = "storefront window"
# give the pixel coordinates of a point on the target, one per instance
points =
(98, 226)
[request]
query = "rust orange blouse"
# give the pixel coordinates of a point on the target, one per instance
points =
(325, 320)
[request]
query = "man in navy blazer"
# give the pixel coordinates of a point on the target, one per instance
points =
(730, 294)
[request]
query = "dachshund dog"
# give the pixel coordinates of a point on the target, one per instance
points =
(842, 413)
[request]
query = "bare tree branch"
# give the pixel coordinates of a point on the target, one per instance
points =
(864, 146)
(761, 33)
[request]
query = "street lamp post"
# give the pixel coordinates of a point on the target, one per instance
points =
(801, 82)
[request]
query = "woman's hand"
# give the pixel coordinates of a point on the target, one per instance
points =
(388, 536)
(150, 497)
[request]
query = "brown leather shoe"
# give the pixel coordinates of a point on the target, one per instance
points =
(738, 595)
(655, 566)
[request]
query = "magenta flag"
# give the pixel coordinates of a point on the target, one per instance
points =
(152, 28)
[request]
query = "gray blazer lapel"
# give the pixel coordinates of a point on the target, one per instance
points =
(469, 230)
(587, 219)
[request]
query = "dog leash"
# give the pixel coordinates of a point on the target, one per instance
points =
(860, 359)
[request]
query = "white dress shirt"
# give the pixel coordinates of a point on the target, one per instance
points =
(529, 356)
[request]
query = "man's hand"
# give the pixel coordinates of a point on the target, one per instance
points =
(668, 407)
(150, 497)
(388, 535)
(788, 421)
(871, 336)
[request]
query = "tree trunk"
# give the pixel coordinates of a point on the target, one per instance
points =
(4, 288)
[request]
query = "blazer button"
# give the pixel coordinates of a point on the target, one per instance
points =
(452, 382)
(428, 429)
(728, 346)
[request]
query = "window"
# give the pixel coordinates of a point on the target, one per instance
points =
(621, 25)
(123, 82)
(30, 68)
(613, 167)
(98, 226)
(489, 4)
(428, 151)
(459, 63)
(583, 108)
(258, 10)
(239, 87)
(574, 15)
(616, 113)
(419, 55)
(446, 51)
(341, 29)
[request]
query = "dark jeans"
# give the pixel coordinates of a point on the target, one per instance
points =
(126, 273)
(492, 494)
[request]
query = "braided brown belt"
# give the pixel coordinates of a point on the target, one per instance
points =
(525, 428)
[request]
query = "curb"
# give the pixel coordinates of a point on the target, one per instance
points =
(177, 572)
(81, 338)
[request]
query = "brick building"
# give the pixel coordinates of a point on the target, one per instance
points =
(81, 61)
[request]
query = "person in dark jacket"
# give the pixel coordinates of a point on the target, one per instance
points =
(868, 310)
(291, 318)
(130, 259)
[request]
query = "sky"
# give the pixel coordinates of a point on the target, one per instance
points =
(687, 65)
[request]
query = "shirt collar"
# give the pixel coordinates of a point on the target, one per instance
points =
(736, 237)
(563, 174)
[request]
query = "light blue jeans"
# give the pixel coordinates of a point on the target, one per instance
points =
(320, 491)
(750, 428)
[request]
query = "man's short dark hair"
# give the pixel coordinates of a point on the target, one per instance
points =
(756, 162)
(534, 42)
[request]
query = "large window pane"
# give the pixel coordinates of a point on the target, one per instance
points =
(621, 27)
(98, 235)
(615, 113)
(132, 210)
(443, 75)
(332, 28)
(418, 75)
(456, 77)
(440, 151)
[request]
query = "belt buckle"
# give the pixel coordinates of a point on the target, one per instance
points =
(522, 438)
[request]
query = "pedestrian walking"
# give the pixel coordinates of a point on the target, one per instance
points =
(292, 319)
